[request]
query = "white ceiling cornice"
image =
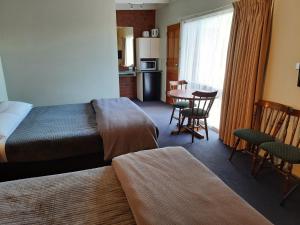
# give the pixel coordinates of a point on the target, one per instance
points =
(140, 4)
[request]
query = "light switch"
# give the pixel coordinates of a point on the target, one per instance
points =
(297, 66)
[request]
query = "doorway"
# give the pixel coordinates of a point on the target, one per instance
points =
(173, 41)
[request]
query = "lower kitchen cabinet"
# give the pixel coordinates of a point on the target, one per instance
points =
(128, 87)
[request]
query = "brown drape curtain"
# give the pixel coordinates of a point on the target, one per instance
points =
(246, 64)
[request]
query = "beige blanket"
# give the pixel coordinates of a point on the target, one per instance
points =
(86, 197)
(124, 127)
(169, 186)
(166, 186)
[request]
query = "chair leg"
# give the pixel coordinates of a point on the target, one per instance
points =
(282, 163)
(193, 136)
(172, 115)
(250, 148)
(261, 164)
(206, 128)
(288, 194)
(254, 159)
(287, 183)
(181, 124)
(179, 116)
(287, 178)
(234, 149)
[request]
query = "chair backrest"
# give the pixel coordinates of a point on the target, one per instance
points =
(180, 84)
(292, 134)
(269, 117)
(203, 101)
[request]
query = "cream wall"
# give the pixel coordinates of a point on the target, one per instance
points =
(59, 51)
(282, 77)
(173, 13)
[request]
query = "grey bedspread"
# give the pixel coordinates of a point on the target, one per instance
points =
(124, 127)
(55, 132)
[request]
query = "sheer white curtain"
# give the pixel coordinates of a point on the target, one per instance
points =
(204, 45)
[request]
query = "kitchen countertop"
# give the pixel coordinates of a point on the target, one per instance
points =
(128, 73)
(131, 73)
(148, 71)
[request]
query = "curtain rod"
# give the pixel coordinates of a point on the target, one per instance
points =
(228, 6)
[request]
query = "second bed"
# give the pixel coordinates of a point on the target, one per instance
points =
(65, 138)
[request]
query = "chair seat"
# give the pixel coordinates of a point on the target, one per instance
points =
(286, 152)
(181, 104)
(197, 112)
(253, 136)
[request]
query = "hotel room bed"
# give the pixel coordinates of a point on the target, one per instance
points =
(53, 137)
(55, 132)
(163, 186)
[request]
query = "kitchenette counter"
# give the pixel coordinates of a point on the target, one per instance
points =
(149, 71)
(127, 73)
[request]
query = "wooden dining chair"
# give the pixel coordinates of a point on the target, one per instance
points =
(287, 151)
(178, 103)
(266, 124)
(202, 102)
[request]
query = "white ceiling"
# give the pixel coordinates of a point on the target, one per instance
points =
(140, 4)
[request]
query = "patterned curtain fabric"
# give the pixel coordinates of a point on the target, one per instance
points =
(246, 63)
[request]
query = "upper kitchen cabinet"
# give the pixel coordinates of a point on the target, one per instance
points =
(155, 48)
(148, 48)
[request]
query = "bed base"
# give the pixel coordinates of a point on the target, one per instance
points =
(15, 171)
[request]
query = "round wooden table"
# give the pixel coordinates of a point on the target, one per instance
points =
(188, 96)
(183, 94)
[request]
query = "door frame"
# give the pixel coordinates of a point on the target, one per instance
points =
(174, 26)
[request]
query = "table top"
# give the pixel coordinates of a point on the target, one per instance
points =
(183, 94)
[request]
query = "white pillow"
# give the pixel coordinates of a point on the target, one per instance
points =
(3, 106)
(11, 115)
(18, 108)
(8, 123)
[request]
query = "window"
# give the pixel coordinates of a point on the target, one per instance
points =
(129, 57)
(204, 46)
